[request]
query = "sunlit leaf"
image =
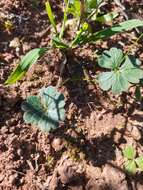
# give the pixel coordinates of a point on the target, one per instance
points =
(129, 152)
(139, 162)
(106, 33)
(124, 72)
(130, 167)
(30, 58)
(51, 15)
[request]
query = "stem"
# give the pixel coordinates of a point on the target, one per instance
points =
(133, 44)
(64, 20)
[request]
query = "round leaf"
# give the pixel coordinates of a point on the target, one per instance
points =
(45, 110)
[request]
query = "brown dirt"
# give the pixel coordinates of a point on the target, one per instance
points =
(85, 153)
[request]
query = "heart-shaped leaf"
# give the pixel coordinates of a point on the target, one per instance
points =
(45, 110)
(124, 72)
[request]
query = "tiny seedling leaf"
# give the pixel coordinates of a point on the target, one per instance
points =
(139, 162)
(45, 110)
(129, 152)
(30, 58)
(130, 167)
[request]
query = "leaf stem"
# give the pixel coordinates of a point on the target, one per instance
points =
(64, 20)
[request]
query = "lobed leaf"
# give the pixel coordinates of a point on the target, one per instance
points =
(45, 110)
(121, 77)
(111, 59)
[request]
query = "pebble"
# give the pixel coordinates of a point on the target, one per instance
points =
(57, 144)
(136, 133)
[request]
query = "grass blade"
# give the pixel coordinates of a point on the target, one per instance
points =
(30, 58)
(51, 16)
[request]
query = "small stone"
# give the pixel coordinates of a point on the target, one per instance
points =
(58, 144)
(112, 175)
(136, 133)
(1, 177)
(12, 179)
(20, 152)
(15, 43)
(4, 130)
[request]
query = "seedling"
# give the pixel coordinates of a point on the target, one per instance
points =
(37, 110)
(124, 72)
(83, 12)
(132, 163)
(45, 110)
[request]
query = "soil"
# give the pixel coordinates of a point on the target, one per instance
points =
(85, 152)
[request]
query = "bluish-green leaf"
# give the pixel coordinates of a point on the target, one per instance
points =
(45, 110)
(111, 59)
(30, 58)
(106, 79)
(119, 84)
(125, 71)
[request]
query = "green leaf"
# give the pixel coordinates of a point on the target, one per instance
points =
(59, 44)
(111, 59)
(119, 84)
(131, 71)
(138, 94)
(105, 80)
(122, 76)
(106, 33)
(74, 8)
(130, 167)
(129, 152)
(139, 162)
(92, 4)
(51, 16)
(109, 17)
(45, 110)
(85, 29)
(30, 58)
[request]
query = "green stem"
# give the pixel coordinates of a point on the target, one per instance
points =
(134, 43)
(64, 20)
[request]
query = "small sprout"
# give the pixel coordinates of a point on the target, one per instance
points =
(45, 110)
(50, 161)
(124, 72)
(129, 152)
(133, 164)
